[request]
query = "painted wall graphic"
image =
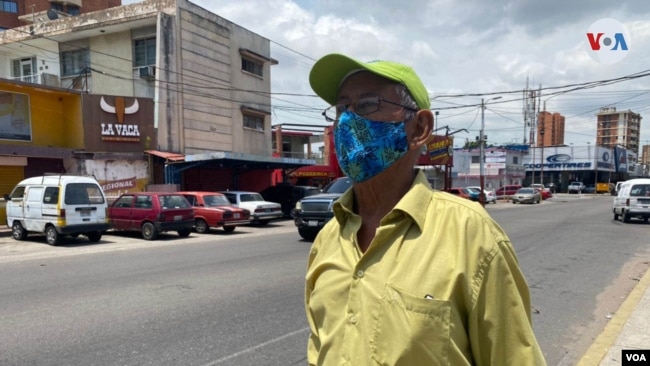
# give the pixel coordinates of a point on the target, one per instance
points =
(15, 120)
(119, 176)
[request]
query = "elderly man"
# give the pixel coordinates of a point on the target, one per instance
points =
(403, 274)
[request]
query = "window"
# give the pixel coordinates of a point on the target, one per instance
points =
(51, 195)
(252, 66)
(254, 121)
(476, 159)
(9, 6)
(515, 160)
(73, 10)
(74, 62)
(144, 52)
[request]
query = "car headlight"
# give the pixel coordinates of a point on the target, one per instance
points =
(299, 205)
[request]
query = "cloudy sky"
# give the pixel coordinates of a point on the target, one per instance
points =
(464, 51)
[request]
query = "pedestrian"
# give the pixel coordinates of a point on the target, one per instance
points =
(404, 274)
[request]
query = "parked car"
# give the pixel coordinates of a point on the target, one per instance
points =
(576, 187)
(152, 213)
(288, 195)
(527, 195)
(313, 212)
(490, 196)
(507, 191)
(57, 205)
(212, 209)
(461, 192)
(544, 191)
(261, 211)
(590, 188)
(633, 200)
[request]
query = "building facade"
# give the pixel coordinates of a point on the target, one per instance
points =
(163, 88)
(550, 129)
(618, 128)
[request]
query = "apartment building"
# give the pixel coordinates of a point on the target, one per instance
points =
(618, 128)
(550, 129)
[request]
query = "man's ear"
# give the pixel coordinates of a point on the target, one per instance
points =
(421, 129)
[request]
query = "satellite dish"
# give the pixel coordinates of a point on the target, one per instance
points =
(52, 14)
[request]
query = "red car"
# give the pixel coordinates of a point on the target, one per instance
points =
(152, 213)
(461, 192)
(212, 209)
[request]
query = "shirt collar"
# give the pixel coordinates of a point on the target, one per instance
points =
(415, 202)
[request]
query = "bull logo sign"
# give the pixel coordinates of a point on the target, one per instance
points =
(120, 131)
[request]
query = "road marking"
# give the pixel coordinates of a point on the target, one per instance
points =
(250, 349)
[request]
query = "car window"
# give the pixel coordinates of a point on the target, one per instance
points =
(231, 197)
(18, 192)
(250, 197)
(83, 194)
(640, 190)
(124, 201)
(143, 202)
(173, 201)
(51, 195)
(215, 200)
(339, 186)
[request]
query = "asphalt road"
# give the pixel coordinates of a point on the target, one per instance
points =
(222, 299)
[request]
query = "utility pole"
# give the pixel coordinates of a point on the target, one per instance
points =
(481, 195)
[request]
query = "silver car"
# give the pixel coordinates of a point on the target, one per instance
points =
(527, 195)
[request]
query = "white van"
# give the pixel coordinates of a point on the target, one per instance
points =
(57, 205)
(632, 200)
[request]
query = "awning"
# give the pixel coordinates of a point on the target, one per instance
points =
(169, 156)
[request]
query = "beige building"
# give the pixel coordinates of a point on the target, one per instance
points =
(209, 79)
(618, 128)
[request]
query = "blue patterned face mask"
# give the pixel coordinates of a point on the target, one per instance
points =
(365, 148)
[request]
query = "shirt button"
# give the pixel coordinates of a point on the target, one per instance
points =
(353, 320)
(360, 273)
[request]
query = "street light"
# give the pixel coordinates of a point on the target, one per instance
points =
(481, 195)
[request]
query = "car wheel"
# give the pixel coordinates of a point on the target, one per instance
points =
(626, 217)
(201, 226)
(229, 229)
(514, 202)
(18, 231)
(308, 235)
(52, 237)
(184, 233)
(262, 222)
(615, 216)
(149, 231)
(94, 236)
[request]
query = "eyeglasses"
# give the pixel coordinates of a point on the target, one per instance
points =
(362, 107)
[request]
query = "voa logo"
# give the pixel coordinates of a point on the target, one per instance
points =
(608, 41)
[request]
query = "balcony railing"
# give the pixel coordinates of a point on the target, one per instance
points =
(34, 79)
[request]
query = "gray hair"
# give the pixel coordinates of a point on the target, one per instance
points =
(406, 99)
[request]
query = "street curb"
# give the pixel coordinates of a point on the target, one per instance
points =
(599, 349)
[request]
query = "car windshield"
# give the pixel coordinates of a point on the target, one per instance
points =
(173, 201)
(216, 200)
(474, 189)
(250, 197)
(526, 190)
(338, 186)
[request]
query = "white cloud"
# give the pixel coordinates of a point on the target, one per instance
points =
(461, 47)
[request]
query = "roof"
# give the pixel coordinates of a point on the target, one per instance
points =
(169, 156)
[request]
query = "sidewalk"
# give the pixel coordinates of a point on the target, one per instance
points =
(628, 329)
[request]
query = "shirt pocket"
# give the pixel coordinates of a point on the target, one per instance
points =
(410, 330)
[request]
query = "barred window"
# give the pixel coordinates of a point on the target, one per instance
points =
(252, 66)
(253, 121)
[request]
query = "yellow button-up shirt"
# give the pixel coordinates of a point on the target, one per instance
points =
(439, 285)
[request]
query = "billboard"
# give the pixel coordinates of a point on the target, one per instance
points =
(439, 151)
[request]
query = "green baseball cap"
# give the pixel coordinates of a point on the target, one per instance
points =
(329, 72)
